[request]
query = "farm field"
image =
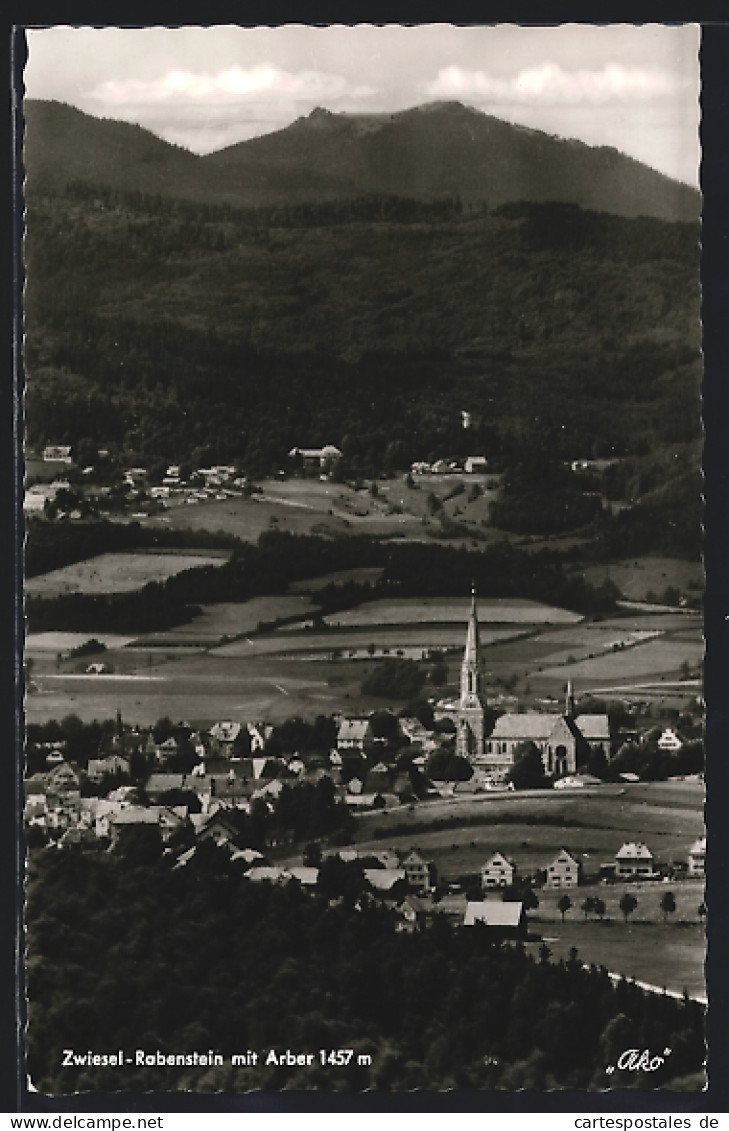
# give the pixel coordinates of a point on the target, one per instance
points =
(638, 578)
(118, 572)
(386, 640)
(54, 642)
(197, 687)
(330, 666)
(330, 509)
(654, 658)
(247, 519)
(230, 618)
(363, 575)
(665, 955)
(452, 611)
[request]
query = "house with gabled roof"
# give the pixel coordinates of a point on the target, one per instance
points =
(419, 872)
(223, 736)
(498, 871)
(697, 857)
(63, 778)
(221, 826)
(411, 912)
(165, 750)
(353, 734)
(633, 860)
(132, 816)
(158, 784)
(564, 871)
(111, 765)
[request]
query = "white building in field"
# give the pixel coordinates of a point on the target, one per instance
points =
(697, 857)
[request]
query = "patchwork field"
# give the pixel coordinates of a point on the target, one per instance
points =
(533, 660)
(119, 572)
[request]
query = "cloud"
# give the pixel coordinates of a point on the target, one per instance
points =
(550, 83)
(233, 85)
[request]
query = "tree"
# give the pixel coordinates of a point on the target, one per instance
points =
(140, 845)
(528, 771)
(628, 904)
(598, 906)
(597, 763)
(668, 904)
(312, 855)
(383, 724)
(563, 905)
(588, 905)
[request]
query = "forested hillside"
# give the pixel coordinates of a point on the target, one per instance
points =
(164, 327)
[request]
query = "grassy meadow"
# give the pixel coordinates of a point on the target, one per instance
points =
(119, 572)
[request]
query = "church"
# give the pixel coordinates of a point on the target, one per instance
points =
(563, 740)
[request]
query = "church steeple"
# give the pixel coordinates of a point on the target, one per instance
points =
(470, 667)
(569, 706)
(471, 708)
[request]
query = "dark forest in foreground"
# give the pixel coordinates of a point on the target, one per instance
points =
(124, 953)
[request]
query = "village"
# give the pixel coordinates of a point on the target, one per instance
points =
(239, 786)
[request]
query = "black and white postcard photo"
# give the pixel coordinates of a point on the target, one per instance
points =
(363, 572)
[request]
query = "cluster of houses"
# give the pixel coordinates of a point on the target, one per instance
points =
(222, 481)
(472, 465)
(225, 767)
(225, 782)
(38, 495)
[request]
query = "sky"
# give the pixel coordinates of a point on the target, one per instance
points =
(632, 87)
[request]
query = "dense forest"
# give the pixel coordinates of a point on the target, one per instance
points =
(165, 327)
(125, 953)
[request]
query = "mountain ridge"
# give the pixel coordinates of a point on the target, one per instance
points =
(440, 149)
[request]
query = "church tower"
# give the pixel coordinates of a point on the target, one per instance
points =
(470, 742)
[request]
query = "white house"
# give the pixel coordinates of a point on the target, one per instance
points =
(669, 741)
(564, 871)
(498, 871)
(633, 860)
(697, 857)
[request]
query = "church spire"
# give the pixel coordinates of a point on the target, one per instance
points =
(569, 706)
(470, 740)
(470, 666)
(472, 643)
